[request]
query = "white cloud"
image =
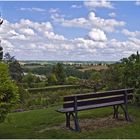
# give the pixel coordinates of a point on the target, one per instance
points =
(27, 31)
(76, 6)
(137, 2)
(54, 10)
(19, 37)
(98, 4)
(97, 35)
(33, 40)
(92, 21)
(112, 14)
(33, 9)
(135, 40)
(52, 35)
(106, 24)
(10, 46)
(131, 34)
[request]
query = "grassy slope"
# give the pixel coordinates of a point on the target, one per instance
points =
(28, 125)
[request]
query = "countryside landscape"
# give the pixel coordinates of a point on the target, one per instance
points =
(69, 69)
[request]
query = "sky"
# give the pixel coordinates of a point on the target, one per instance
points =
(98, 30)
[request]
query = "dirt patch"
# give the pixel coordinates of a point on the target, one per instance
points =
(106, 122)
(92, 124)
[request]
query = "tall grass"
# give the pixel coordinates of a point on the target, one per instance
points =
(44, 98)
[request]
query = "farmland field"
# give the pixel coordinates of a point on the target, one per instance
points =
(97, 68)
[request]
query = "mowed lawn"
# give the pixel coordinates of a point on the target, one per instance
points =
(47, 123)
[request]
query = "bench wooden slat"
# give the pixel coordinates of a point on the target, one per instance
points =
(98, 94)
(88, 107)
(96, 101)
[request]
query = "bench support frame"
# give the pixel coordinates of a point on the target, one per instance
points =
(116, 112)
(75, 118)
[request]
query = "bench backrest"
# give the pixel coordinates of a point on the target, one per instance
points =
(98, 98)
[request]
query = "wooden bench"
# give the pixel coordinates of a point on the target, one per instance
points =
(74, 103)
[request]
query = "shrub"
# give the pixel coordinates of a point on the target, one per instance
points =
(52, 80)
(8, 92)
(72, 80)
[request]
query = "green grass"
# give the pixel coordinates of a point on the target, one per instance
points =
(28, 124)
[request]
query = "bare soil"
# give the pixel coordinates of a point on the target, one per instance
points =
(92, 124)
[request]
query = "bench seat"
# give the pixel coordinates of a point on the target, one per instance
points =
(65, 110)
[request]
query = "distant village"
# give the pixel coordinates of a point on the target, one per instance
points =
(75, 63)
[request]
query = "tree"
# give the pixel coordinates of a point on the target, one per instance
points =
(52, 80)
(29, 79)
(8, 92)
(15, 69)
(114, 77)
(125, 74)
(59, 72)
(132, 70)
(8, 58)
(96, 76)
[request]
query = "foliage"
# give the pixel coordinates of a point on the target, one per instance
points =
(52, 80)
(31, 80)
(41, 70)
(8, 92)
(15, 69)
(125, 74)
(9, 58)
(113, 77)
(23, 94)
(72, 80)
(72, 71)
(132, 73)
(58, 71)
(35, 98)
(68, 71)
(96, 76)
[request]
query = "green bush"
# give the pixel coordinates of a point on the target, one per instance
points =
(72, 80)
(23, 94)
(8, 92)
(137, 97)
(52, 80)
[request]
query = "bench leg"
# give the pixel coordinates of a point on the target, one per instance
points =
(126, 113)
(115, 115)
(68, 119)
(76, 122)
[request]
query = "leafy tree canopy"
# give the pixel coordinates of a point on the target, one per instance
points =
(15, 69)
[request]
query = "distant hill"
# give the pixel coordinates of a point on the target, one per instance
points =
(38, 62)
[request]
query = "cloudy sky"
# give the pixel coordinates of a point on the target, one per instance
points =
(70, 30)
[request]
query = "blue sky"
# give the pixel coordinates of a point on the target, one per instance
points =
(70, 30)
